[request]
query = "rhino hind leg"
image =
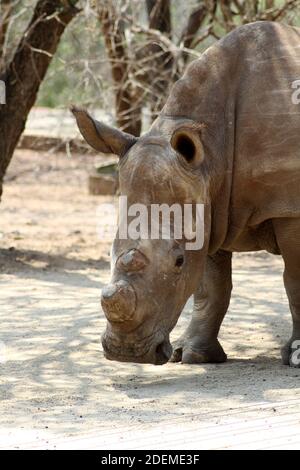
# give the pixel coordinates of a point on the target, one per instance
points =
(287, 233)
(199, 344)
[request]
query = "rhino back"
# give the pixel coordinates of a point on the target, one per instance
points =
(242, 89)
(267, 134)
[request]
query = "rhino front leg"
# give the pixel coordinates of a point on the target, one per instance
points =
(199, 344)
(291, 351)
(287, 234)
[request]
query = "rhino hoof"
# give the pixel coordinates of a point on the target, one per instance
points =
(183, 352)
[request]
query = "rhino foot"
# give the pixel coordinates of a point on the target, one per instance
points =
(290, 353)
(194, 351)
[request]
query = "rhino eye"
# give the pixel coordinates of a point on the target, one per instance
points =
(179, 261)
(186, 147)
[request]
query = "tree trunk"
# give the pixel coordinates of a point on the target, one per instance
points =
(24, 75)
(195, 21)
(127, 103)
(160, 76)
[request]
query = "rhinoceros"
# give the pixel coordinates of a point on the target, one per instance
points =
(228, 137)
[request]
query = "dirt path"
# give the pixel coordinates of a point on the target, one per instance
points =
(57, 390)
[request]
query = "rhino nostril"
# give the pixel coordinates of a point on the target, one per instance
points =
(179, 261)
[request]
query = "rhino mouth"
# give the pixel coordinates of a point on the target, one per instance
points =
(158, 353)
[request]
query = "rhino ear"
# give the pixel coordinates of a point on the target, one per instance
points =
(186, 141)
(100, 136)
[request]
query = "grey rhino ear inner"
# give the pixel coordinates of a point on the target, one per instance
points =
(102, 137)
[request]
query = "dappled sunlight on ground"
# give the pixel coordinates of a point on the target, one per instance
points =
(57, 383)
(56, 388)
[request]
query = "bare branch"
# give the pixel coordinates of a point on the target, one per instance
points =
(225, 6)
(42, 34)
(277, 13)
(159, 14)
(195, 21)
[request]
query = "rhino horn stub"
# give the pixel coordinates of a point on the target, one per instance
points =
(132, 261)
(118, 301)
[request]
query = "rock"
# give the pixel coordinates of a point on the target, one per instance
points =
(104, 180)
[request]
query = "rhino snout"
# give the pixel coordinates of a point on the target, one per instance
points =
(157, 351)
(118, 301)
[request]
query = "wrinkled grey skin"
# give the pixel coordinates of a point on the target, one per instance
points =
(229, 137)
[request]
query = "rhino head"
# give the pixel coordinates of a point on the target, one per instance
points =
(151, 278)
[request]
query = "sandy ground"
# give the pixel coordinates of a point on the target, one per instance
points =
(56, 388)
(57, 123)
